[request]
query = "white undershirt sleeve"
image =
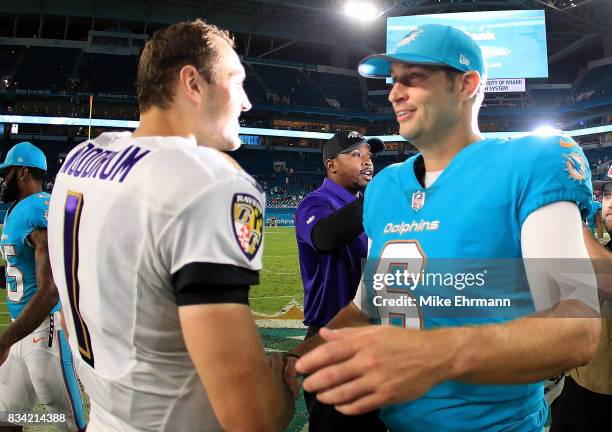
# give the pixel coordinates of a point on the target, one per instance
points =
(556, 260)
(360, 290)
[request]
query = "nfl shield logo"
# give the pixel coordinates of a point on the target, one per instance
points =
(418, 200)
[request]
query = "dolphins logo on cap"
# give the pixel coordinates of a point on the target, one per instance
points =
(409, 37)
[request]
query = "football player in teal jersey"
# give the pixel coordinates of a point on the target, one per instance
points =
(595, 221)
(35, 359)
(470, 201)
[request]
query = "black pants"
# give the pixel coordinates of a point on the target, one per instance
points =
(580, 410)
(325, 418)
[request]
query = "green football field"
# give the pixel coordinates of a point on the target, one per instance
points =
(280, 285)
(280, 281)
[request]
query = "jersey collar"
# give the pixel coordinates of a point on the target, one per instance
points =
(412, 175)
(344, 195)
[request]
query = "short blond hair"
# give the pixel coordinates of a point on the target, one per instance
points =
(169, 50)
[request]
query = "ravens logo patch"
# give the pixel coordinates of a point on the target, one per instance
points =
(247, 220)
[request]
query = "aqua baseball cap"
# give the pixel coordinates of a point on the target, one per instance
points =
(428, 45)
(25, 154)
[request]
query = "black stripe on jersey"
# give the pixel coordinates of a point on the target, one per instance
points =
(210, 294)
(202, 283)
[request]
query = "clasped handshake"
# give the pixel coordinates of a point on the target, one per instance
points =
(360, 369)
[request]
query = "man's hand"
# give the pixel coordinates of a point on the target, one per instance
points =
(290, 375)
(277, 363)
(361, 369)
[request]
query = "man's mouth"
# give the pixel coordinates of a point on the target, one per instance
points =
(367, 174)
(404, 114)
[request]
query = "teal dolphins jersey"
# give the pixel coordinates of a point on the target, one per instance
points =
(591, 218)
(469, 218)
(21, 220)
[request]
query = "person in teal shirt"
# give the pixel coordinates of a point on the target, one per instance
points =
(594, 220)
(460, 350)
(35, 358)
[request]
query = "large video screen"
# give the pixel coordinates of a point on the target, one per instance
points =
(514, 42)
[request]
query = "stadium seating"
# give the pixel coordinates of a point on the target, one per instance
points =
(594, 78)
(271, 86)
(343, 88)
(595, 88)
(70, 69)
(550, 97)
(9, 55)
(55, 65)
(599, 161)
(288, 83)
(108, 73)
(96, 72)
(301, 172)
(254, 90)
(379, 103)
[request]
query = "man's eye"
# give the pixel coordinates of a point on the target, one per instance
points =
(410, 79)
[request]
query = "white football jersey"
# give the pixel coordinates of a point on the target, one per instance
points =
(126, 214)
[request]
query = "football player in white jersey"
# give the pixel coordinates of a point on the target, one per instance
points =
(155, 238)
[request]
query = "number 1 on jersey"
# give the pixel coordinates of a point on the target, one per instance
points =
(72, 219)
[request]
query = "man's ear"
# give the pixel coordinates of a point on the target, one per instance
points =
(469, 82)
(22, 173)
(330, 164)
(190, 84)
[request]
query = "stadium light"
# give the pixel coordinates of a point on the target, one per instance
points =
(361, 10)
(546, 131)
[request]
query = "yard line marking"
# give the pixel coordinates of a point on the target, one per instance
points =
(280, 324)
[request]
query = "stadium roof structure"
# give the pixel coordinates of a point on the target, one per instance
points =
(572, 24)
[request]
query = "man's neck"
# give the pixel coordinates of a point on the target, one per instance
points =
(352, 190)
(29, 190)
(439, 150)
(158, 122)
